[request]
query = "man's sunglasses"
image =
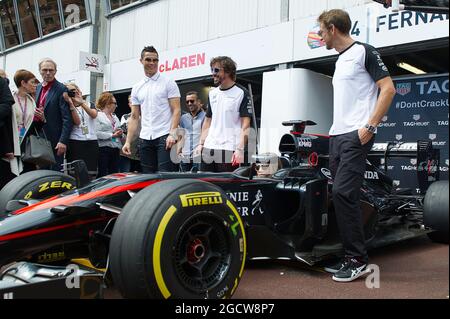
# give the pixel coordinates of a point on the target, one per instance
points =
(188, 102)
(215, 70)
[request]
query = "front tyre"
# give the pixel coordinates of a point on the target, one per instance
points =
(38, 185)
(178, 239)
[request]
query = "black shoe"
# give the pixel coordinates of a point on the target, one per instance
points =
(351, 270)
(334, 268)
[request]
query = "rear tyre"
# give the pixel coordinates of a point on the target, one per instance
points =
(178, 239)
(40, 184)
(436, 211)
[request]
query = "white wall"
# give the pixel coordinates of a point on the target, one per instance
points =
(302, 9)
(170, 24)
(260, 47)
(294, 94)
(64, 50)
(249, 31)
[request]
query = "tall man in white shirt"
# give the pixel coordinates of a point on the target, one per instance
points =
(358, 109)
(156, 102)
(227, 124)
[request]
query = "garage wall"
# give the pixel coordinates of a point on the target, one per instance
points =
(294, 94)
(64, 50)
(169, 24)
(302, 9)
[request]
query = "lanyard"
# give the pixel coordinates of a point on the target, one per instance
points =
(81, 114)
(113, 121)
(23, 108)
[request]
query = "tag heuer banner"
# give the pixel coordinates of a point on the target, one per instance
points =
(419, 112)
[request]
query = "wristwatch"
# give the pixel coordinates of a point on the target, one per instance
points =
(370, 128)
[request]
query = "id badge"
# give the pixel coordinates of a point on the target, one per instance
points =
(85, 130)
(22, 132)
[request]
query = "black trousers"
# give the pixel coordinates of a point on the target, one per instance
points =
(108, 161)
(348, 166)
(219, 161)
(5, 173)
(84, 150)
(155, 157)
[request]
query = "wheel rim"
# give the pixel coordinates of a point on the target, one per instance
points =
(202, 254)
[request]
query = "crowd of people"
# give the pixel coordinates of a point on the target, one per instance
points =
(215, 140)
(154, 136)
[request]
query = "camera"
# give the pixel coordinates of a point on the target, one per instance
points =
(71, 93)
(124, 128)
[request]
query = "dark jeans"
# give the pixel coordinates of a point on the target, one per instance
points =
(348, 166)
(218, 161)
(108, 161)
(155, 157)
(5, 173)
(84, 150)
(128, 165)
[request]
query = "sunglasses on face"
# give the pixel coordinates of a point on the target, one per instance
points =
(215, 70)
(321, 32)
(188, 102)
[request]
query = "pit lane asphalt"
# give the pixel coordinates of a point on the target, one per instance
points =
(413, 269)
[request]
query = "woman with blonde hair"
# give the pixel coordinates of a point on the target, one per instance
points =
(109, 135)
(83, 143)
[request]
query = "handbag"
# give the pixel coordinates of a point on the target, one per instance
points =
(38, 151)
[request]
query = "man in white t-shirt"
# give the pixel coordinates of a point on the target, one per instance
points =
(227, 123)
(156, 102)
(358, 109)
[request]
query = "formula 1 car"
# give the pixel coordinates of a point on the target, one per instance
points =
(187, 235)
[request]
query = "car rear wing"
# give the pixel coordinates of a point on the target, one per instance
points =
(428, 158)
(427, 6)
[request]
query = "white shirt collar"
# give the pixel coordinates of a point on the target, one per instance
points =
(154, 77)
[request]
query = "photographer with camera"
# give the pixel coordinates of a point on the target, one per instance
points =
(83, 144)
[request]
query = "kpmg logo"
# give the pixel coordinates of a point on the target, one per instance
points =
(403, 88)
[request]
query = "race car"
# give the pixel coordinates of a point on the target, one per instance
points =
(188, 235)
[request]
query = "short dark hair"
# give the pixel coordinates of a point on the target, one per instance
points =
(22, 75)
(228, 65)
(337, 17)
(150, 49)
(192, 93)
